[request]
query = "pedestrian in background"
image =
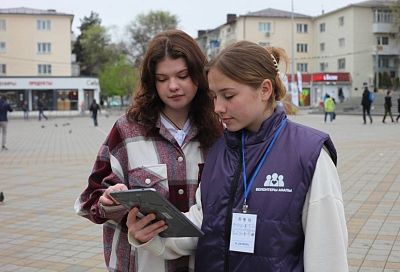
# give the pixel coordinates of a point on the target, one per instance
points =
(340, 94)
(388, 106)
(94, 108)
(41, 110)
(366, 104)
(25, 109)
(5, 108)
(329, 108)
(161, 143)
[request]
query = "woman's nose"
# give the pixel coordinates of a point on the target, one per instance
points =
(173, 84)
(218, 106)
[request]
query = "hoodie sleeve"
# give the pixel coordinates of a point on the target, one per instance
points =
(324, 222)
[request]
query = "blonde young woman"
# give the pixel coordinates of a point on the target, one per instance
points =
(270, 195)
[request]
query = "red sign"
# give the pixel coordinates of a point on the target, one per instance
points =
(324, 77)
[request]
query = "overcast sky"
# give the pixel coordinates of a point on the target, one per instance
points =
(193, 14)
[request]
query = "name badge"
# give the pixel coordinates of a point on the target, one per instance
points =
(243, 232)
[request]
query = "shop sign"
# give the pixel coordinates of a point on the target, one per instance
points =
(8, 83)
(40, 83)
(328, 77)
(92, 82)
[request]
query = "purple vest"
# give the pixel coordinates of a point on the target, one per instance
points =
(277, 197)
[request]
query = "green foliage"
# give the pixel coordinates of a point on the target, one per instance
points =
(96, 50)
(86, 22)
(145, 27)
(118, 78)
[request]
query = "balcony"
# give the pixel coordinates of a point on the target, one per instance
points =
(383, 28)
(386, 50)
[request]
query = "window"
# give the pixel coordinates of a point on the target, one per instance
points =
(2, 47)
(323, 66)
(342, 42)
(341, 21)
(3, 26)
(264, 27)
(302, 48)
(44, 69)
(302, 67)
(3, 69)
(44, 48)
(43, 24)
(384, 63)
(322, 27)
(302, 28)
(341, 64)
(322, 47)
(383, 16)
(382, 40)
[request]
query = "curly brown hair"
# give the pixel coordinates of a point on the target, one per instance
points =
(147, 104)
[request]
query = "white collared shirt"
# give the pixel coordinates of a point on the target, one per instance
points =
(179, 134)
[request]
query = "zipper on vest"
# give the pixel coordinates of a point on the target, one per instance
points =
(228, 220)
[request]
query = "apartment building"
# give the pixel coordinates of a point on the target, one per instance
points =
(336, 51)
(36, 61)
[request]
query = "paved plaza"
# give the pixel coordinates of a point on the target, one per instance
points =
(48, 162)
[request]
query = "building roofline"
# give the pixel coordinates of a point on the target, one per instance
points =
(363, 4)
(31, 11)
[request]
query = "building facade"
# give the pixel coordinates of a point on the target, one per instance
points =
(360, 42)
(36, 61)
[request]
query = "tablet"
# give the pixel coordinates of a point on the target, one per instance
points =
(148, 200)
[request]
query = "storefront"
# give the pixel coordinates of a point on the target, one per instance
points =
(315, 86)
(55, 93)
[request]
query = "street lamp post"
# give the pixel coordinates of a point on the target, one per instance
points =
(292, 53)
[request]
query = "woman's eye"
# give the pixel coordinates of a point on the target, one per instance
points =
(161, 79)
(229, 96)
(183, 76)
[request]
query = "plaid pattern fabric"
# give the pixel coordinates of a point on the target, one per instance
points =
(159, 162)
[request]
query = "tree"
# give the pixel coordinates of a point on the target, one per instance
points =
(86, 22)
(96, 50)
(145, 27)
(118, 78)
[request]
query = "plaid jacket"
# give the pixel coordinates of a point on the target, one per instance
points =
(159, 162)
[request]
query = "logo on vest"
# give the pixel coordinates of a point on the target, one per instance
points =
(274, 183)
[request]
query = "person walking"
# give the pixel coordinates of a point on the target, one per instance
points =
(366, 104)
(265, 203)
(5, 108)
(25, 109)
(388, 106)
(340, 94)
(94, 108)
(329, 108)
(41, 110)
(161, 142)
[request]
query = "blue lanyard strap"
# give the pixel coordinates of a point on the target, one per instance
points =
(260, 163)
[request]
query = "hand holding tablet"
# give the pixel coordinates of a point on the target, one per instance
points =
(148, 200)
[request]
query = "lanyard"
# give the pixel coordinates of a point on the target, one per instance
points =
(259, 164)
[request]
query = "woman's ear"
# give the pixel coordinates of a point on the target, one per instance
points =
(266, 89)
